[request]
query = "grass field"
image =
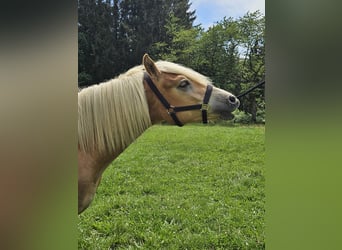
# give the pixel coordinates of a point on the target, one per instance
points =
(195, 187)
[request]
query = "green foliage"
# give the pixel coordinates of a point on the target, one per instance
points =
(242, 117)
(181, 45)
(261, 113)
(252, 64)
(195, 187)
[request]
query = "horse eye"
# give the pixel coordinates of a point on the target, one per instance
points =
(183, 84)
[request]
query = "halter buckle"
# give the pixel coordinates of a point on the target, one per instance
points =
(205, 107)
(171, 110)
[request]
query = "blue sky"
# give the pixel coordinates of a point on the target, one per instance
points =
(208, 12)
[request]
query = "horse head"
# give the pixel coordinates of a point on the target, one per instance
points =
(183, 94)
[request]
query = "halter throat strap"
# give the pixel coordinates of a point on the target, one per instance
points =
(172, 110)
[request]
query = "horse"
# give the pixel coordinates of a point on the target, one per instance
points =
(112, 114)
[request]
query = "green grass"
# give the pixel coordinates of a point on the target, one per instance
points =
(195, 187)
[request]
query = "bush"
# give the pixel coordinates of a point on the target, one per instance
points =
(242, 117)
(260, 118)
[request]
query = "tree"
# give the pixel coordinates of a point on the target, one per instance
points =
(144, 22)
(220, 55)
(252, 65)
(98, 25)
(181, 43)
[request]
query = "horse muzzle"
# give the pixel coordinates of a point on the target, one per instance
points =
(223, 103)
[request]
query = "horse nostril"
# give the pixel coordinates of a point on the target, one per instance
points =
(232, 99)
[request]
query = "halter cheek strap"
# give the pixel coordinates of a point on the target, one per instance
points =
(172, 110)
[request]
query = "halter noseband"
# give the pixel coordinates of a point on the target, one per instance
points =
(172, 110)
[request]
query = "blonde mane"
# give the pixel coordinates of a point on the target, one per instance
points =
(111, 115)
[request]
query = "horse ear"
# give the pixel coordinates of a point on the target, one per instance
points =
(151, 67)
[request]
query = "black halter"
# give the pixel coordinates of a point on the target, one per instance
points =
(172, 110)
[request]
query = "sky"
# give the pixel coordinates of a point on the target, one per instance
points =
(208, 12)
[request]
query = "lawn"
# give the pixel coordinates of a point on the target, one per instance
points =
(195, 187)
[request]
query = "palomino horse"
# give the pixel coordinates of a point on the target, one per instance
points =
(113, 114)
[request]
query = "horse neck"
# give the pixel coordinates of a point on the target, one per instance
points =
(91, 165)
